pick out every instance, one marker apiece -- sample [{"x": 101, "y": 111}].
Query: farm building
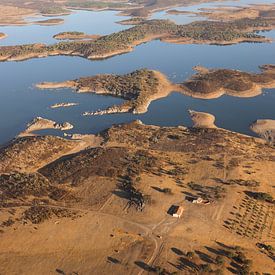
[{"x": 176, "y": 211}]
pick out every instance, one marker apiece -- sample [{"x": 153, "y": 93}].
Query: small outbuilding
[
  {"x": 179, "y": 212},
  {"x": 175, "y": 211},
  {"x": 201, "y": 201}
]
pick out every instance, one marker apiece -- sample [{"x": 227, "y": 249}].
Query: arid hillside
[{"x": 107, "y": 208}]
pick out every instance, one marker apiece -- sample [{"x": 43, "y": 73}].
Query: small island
[
  {"x": 64, "y": 104},
  {"x": 2, "y": 35},
  {"x": 49, "y": 22},
  {"x": 40, "y": 123},
  {"x": 74, "y": 35}
]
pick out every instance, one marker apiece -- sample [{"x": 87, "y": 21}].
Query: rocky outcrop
[{"x": 40, "y": 123}]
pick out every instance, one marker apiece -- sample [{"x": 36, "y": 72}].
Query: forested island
[
  {"x": 201, "y": 32},
  {"x": 74, "y": 35}
]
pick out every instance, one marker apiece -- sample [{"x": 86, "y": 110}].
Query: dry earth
[{"x": 80, "y": 213}]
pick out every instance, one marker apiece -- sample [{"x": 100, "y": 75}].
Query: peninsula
[{"x": 141, "y": 87}]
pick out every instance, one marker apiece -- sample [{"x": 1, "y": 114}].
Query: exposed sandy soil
[
  {"x": 202, "y": 120},
  {"x": 79, "y": 218},
  {"x": 13, "y": 12},
  {"x": 158, "y": 5},
  {"x": 14, "y": 15},
  {"x": 2, "y": 35},
  {"x": 40, "y": 123},
  {"x": 234, "y": 13},
  {"x": 265, "y": 128}
]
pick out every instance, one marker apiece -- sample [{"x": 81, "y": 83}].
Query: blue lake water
[
  {"x": 84, "y": 21},
  {"x": 20, "y": 101}
]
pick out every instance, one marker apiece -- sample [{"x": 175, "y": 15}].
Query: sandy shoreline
[
  {"x": 3, "y": 35},
  {"x": 202, "y": 120},
  {"x": 264, "y": 128},
  {"x": 40, "y": 123}
]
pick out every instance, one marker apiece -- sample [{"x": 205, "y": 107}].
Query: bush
[
  {"x": 219, "y": 260},
  {"x": 190, "y": 254},
  {"x": 167, "y": 191}
]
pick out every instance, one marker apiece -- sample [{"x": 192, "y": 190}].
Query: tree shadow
[
  {"x": 113, "y": 260},
  {"x": 177, "y": 251},
  {"x": 204, "y": 257},
  {"x": 59, "y": 271},
  {"x": 185, "y": 263},
  {"x": 224, "y": 245},
  {"x": 232, "y": 270},
  {"x": 188, "y": 194},
  {"x": 121, "y": 194},
  {"x": 218, "y": 180},
  {"x": 220, "y": 252},
  {"x": 157, "y": 189},
  {"x": 179, "y": 267},
  {"x": 144, "y": 266}
]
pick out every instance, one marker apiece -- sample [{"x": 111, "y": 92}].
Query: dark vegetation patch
[
  {"x": 197, "y": 141},
  {"x": 251, "y": 218},
  {"x": 18, "y": 185},
  {"x": 128, "y": 182},
  {"x": 109, "y": 162},
  {"x": 208, "y": 192},
  {"x": 28, "y": 152},
  {"x": 223, "y": 257},
  {"x": 229, "y": 80},
  {"x": 16, "y": 188},
  {"x": 54, "y": 10},
  {"x": 261, "y": 196},
  {"x": 128, "y": 86},
  {"x": 241, "y": 182},
  {"x": 39, "y": 214}
]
